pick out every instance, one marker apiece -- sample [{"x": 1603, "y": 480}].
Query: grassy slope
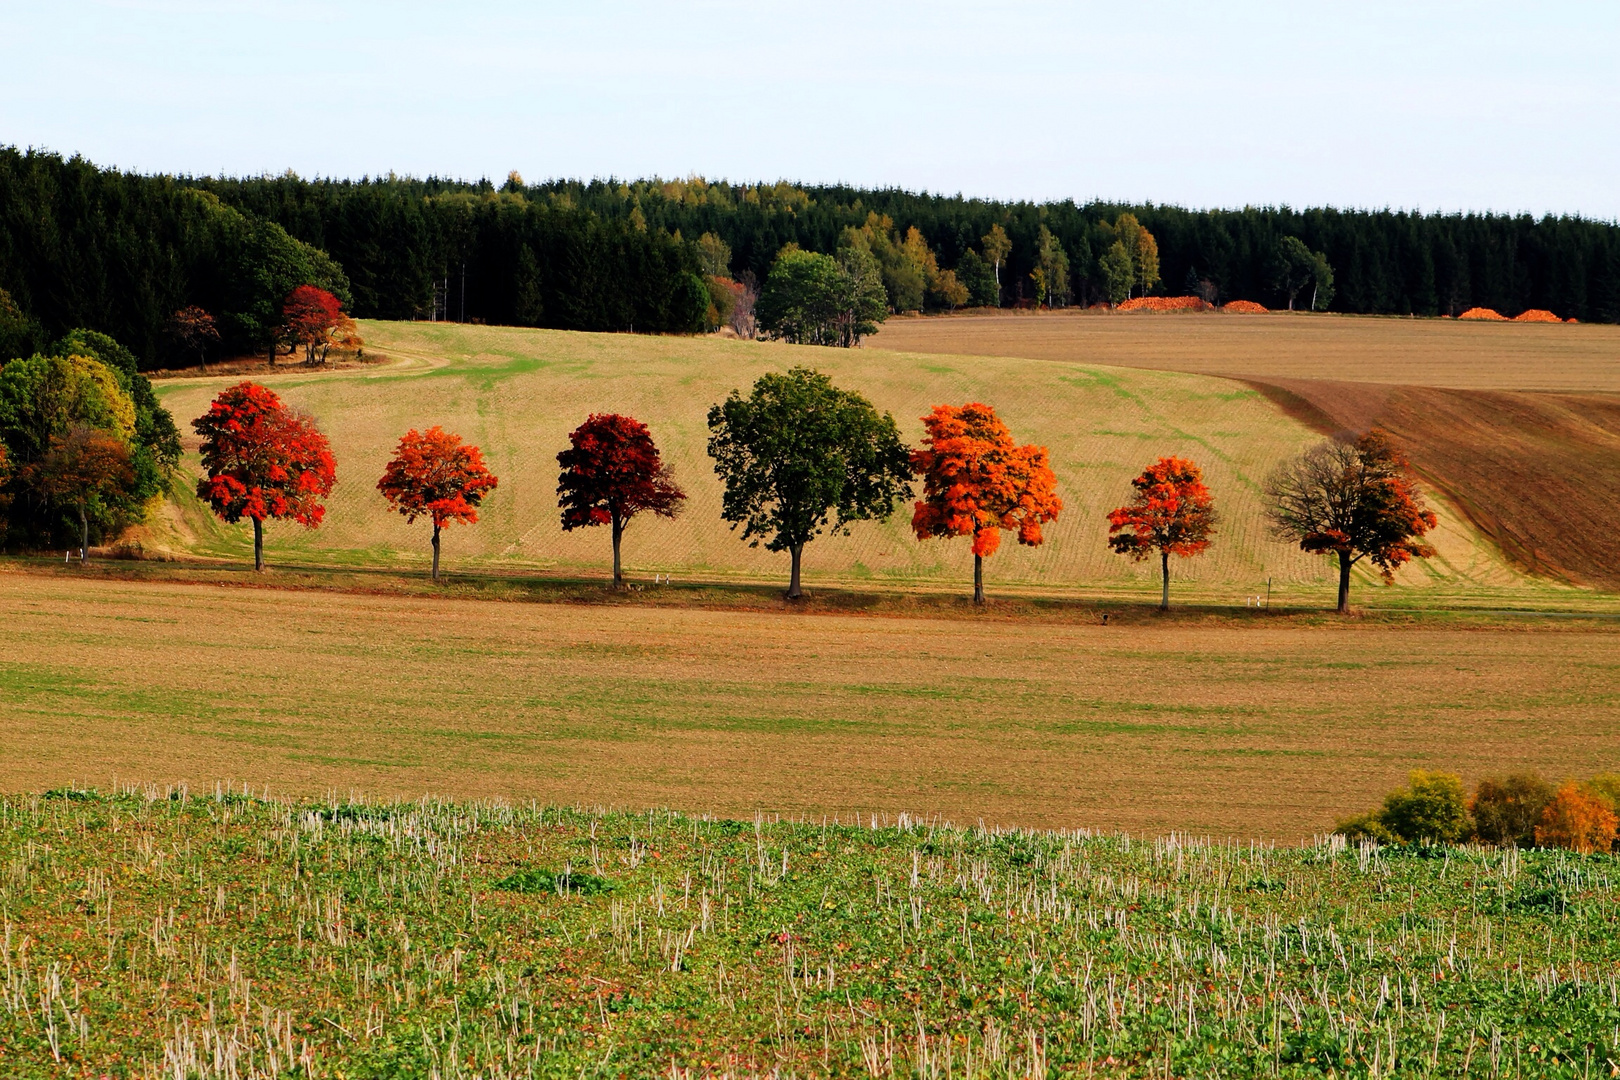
[
  {"x": 146, "y": 934},
  {"x": 517, "y": 393}
]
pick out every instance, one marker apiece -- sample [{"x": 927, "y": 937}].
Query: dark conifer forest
[{"x": 120, "y": 252}]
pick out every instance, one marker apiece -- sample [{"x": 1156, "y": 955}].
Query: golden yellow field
[
  {"x": 1280, "y": 345},
  {"x": 1235, "y": 725},
  {"x": 517, "y": 393}
]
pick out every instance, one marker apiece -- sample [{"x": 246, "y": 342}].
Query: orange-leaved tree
[
  {"x": 435, "y": 475},
  {"x": 83, "y": 468},
  {"x": 977, "y": 481},
  {"x": 1173, "y": 513},
  {"x": 1354, "y": 498},
  {"x": 1579, "y": 820},
  {"x": 611, "y": 473},
  {"x": 263, "y": 460}
]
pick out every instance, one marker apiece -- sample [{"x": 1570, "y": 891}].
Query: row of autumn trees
[
  {"x": 798, "y": 457},
  {"x": 121, "y": 252}
]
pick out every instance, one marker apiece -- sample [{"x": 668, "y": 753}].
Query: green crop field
[
  {"x": 518, "y": 392},
  {"x": 213, "y": 935}
]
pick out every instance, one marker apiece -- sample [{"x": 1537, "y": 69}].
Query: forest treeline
[{"x": 121, "y": 252}]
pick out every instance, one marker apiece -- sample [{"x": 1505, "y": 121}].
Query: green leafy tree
[
  {"x": 1117, "y": 273},
  {"x": 815, "y": 299},
  {"x": 1051, "y": 273},
  {"x": 799, "y": 454},
  {"x": 976, "y": 275},
  {"x": 1296, "y": 266},
  {"x": 42, "y": 400},
  {"x": 88, "y": 470},
  {"x": 155, "y": 447},
  {"x": 714, "y": 255}
]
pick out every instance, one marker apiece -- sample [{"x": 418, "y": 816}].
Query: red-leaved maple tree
[
  {"x": 1356, "y": 499},
  {"x": 977, "y": 481},
  {"x": 310, "y": 316},
  {"x": 1173, "y": 513},
  {"x": 263, "y": 460},
  {"x": 611, "y": 473},
  {"x": 435, "y": 475}
]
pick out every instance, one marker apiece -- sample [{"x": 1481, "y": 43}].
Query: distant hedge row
[{"x": 1522, "y": 809}]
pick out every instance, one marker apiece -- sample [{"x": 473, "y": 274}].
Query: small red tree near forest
[
  {"x": 437, "y": 476},
  {"x": 195, "y": 330},
  {"x": 1354, "y": 498},
  {"x": 263, "y": 460},
  {"x": 1173, "y": 513},
  {"x": 611, "y": 473},
  {"x": 977, "y": 481},
  {"x": 312, "y": 317}
]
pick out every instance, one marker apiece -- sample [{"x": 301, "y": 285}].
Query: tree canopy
[
  {"x": 799, "y": 454},
  {"x": 978, "y": 481},
  {"x": 611, "y": 472},
  {"x": 262, "y": 460},
  {"x": 1354, "y": 498},
  {"x": 1173, "y": 513},
  {"x": 433, "y": 474}
]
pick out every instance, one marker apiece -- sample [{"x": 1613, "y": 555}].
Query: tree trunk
[
  {"x": 618, "y": 571},
  {"x": 978, "y": 579},
  {"x": 1344, "y": 582},
  {"x": 1164, "y": 596},
  {"x": 272, "y": 353},
  {"x": 1313, "y": 296},
  {"x": 435, "y": 551},
  {"x": 258, "y": 544},
  {"x": 794, "y": 592},
  {"x": 84, "y": 534}
]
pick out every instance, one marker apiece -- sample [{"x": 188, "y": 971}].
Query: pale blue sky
[{"x": 1479, "y": 105}]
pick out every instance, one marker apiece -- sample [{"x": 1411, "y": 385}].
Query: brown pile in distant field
[
  {"x": 1489, "y": 314},
  {"x": 1243, "y": 307},
  {"x": 1536, "y": 315},
  {"x": 1166, "y": 303}
]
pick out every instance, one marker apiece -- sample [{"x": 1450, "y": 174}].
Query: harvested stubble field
[
  {"x": 1282, "y": 345},
  {"x": 1228, "y": 723},
  {"x": 518, "y": 392},
  {"x": 213, "y": 935},
  {"x": 1518, "y": 425}
]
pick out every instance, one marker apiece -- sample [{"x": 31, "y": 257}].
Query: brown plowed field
[
  {"x": 1537, "y": 473},
  {"x": 1517, "y": 423}
]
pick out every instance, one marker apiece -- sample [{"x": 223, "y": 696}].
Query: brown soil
[
  {"x": 1537, "y": 473},
  {"x": 1250, "y": 728},
  {"x": 255, "y": 365}
]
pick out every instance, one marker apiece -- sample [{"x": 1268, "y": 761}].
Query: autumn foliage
[
  {"x": 313, "y": 319},
  {"x": 435, "y": 475},
  {"x": 1355, "y": 499},
  {"x": 1577, "y": 820},
  {"x": 81, "y": 468},
  {"x": 977, "y": 482},
  {"x": 1173, "y": 513},
  {"x": 1536, "y": 315},
  {"x": 1483, "y": 313},
  {"x": 1244, "y": 307},
  {"x": 611, "y": 472},
  {"x": 262, "y": 460}
]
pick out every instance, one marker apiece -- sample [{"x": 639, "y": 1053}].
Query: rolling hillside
[{"x": 518, "y": 392}]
